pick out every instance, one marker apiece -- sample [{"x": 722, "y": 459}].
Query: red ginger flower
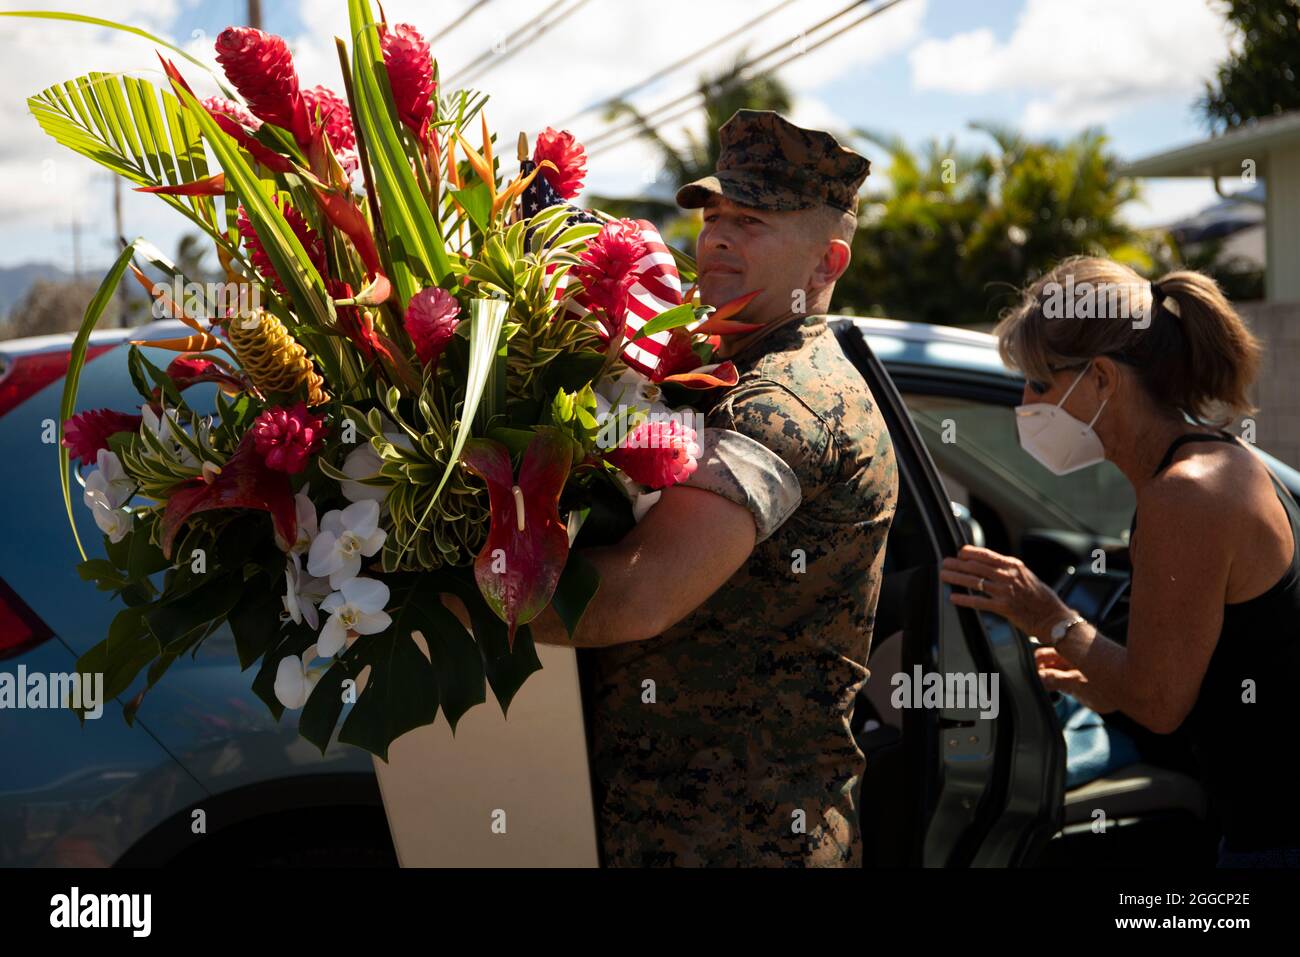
[
  {"x": 337, "y": 116},
  {"x": 85, "y": 434},
  {"x": 220, "y": 105},
  {"x": 410, "y": 73},
  {"x": 607, "y": 272},
  {"x": 431, "y": 319},
  {"x": 657, "y": 454},
  {"x": 569, "y": 157},
  {"x": 261, "y": 68},
  {"x": 286, "y": 438},
  {"x": 311, "y": 242}
]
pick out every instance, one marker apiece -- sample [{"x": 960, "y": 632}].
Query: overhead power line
[
  {"x": 496, "y": 50},
  {"x": 474, "y": 8},
  {"x": 527, "y": 41},
  {"x": 677, "y": 65},
  {"x": 601, "y": 142}
]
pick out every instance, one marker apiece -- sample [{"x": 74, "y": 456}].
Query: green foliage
[
  {"x": 1262, "y": 78},
  {"x": 953, "y": 235}
]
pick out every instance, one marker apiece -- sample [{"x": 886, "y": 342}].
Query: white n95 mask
[{"x": 1061, "y": 443}]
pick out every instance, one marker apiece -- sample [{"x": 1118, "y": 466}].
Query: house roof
[{"x": 1223, "y": 155}]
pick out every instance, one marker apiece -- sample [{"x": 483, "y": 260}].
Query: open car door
[{"x": 969, "y": 779}]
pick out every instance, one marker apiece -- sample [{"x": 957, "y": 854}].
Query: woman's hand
[
  {"x": 1004, "y": 586},
  {"x": 1058, "y": 673}
]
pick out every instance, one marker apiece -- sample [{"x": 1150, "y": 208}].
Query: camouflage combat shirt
[{"x": 725, "y": 741}]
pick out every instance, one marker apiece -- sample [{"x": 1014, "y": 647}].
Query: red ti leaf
[
  {"x": 244, "y": 482},
  {"x": 518, "y": 568}
]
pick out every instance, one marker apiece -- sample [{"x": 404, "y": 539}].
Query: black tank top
[{"x": 1246, "y": 750}]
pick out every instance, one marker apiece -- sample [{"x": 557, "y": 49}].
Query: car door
[{"x": 986, "y": 777}]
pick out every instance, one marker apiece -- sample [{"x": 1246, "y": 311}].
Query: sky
[{"x": 921, "y": 70}]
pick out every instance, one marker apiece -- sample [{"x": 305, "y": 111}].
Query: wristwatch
[{"x": 1061, "y": 629}]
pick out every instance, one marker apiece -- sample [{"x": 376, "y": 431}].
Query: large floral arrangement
[{"x": 420, "y": 389}]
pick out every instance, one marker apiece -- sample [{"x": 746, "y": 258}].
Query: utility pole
[
  {"x": 76, "y": 249},
  {"x": 255, "y": 14},
  {"x": 119, "y": 234}
]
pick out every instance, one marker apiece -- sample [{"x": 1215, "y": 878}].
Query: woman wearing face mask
[{"x": 1213, "y": 640}]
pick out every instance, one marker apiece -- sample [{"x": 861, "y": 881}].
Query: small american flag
[{"x": 657, "y": 289}]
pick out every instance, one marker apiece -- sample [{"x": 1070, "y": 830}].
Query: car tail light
[
  {"x": 20, "y": 627},
  {"x": 23, "y": 376}
]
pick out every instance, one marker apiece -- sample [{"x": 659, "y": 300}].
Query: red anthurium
[
  {"x": 527, "y": 545},
  {"x": 707, "y": 377},
  {"x": 243, "y": 482}
]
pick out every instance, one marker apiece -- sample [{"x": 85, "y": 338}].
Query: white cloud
[{"x": 1082, "y": 62}]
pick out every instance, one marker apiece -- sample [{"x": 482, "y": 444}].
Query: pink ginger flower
[
  {"x": 286, "y": 438},
  {"x": 657, "y": 454},
  {"x": 431, "y": 319}
]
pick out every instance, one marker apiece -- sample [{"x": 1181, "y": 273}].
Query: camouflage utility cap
[{"x": 769, "y": 163}]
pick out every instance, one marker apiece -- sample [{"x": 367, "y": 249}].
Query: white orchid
[
  {"x": 294, "y": 681},
  {"x": 111, "y": 479},
  {"x": 363, "y": 462},
  {"x": 303, "y": 593},
  {"x": 358, "y": 608},
  {"x": 113, "y": 521},
  {"x": 345, "y": 537},
  {"x": 307, "y": 527}
]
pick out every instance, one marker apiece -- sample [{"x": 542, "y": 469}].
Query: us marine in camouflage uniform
[{"x": 733, "y": 625}]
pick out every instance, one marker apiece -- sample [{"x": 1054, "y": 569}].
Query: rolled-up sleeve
[{"x": 764, "y": 449}]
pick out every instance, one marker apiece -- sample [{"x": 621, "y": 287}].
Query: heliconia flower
[
  {"x": 287, "y": 438},
  {"x": 356, "y": 608},
  {"x": 607, "y": 272},
  {"x": 569, "y": 157},
  {"x": 346, "y": 536},
  {"x": 261, "y": 68},
  {"x": 220, "y": 106},
  {"x": 294, "y": 681},
  {"x": 334, "y": 111},
  {"x": 431, "y": 319},
  {"x": 657, "y": 453},
  {"x": 410, "y": 73},
  {"x": 87, "y": 432},
  {"x": 310, "y": 239}
]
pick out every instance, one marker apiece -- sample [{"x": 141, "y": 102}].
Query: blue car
[{"x": 204, "y": 757}]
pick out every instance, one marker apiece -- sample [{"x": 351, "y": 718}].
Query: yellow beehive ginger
[{"x": 272, "y": 359}]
